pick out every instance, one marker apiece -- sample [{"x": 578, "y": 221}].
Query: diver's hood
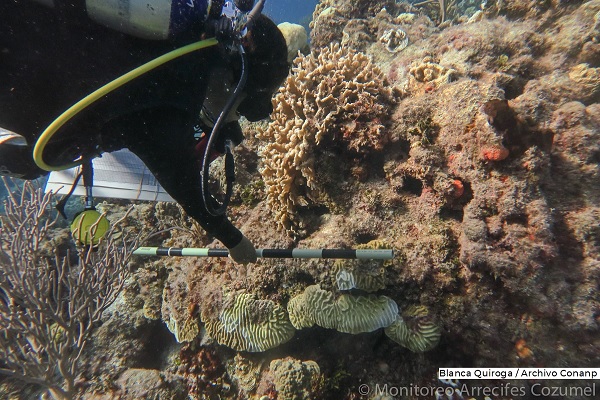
[{"x": 266, "y": 52}]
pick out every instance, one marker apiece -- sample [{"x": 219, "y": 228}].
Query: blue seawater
[{"x": 295, "y": 11}]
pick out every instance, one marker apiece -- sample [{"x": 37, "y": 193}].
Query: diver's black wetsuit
[{"x": 50, "y": 59}]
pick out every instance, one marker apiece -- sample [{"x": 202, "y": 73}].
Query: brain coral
[
  {"x": 184, "y": 331},
  {"x": 418, "y": 332},
  {"x": 248, "y": 324},
  {"x": 337, "y": 95},
  {"x": 347, "y": 313}
]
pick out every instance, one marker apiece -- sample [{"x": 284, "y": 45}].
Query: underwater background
[
  {"x": 463, "y": 134},
  {"x": 298, "y": 12}
]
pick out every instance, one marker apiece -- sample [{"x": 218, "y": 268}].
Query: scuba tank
[{"x": 146, "y": 19}]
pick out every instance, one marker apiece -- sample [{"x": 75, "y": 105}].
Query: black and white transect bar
[{"x": 361, "y": 254}]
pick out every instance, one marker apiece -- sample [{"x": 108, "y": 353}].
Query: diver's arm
[{"x": 162, "y": 139}]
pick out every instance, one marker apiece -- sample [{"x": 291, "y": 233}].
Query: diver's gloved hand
[
  {"x": 222, "y": 28},
  {"x": 230, "y": 131},
  {"x": 244, "y": 252}
]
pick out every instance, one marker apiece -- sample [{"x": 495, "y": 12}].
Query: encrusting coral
[
  {"x": 248, "y": 324},
  {"x": 430, "y": 72},
  {"x": 334, "y": 95},
  {"x": 295, "y": 379},
  {"x": 245, "y": 372},
  {"x": 587, "y": 77}
]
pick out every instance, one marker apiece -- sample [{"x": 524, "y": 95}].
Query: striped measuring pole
[{"x": 359, "y": 254}]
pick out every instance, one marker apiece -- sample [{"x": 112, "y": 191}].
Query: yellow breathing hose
[{"x": 49, "y": 132}]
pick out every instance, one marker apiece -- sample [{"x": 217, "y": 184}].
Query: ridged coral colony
[
  {"x": 346, "y": 313},
  {"x": 248, "y": 324}
]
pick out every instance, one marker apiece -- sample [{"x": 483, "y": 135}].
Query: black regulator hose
[{"x": 209, "y": 200}]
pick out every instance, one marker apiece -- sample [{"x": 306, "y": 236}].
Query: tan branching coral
[
  {"x": 336, "y": 94},
  {"x": 346, "y": 313},
  {"x": 248, "y": 324}
]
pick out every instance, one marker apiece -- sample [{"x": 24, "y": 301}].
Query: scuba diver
[{"x": 55, "y": 52}]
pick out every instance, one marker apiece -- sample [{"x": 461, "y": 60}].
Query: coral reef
[
  {"x": 481, "y": 172},
  {"x": 136, "y": 383},
  {"x": 331, "y": 17}
]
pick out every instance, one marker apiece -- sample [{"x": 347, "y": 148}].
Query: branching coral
[{"x": 336, "y": 94}]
